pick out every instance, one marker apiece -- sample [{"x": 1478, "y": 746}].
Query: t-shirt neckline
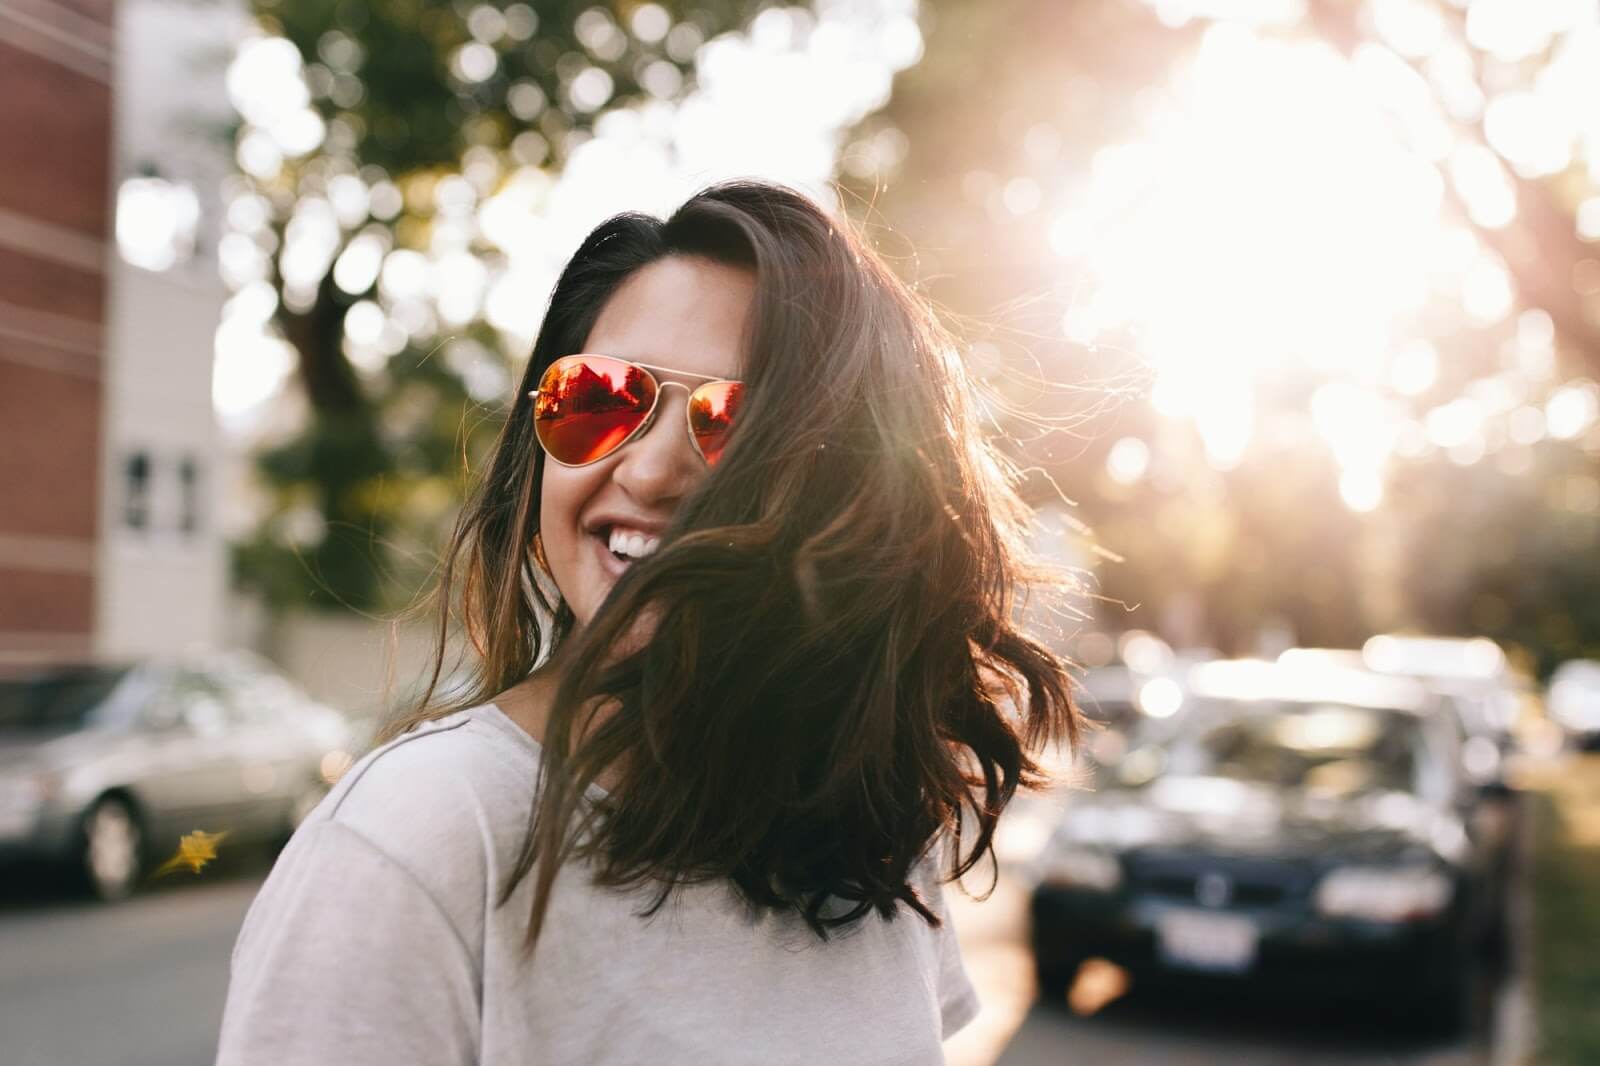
[{"x": 507, "y": 724}]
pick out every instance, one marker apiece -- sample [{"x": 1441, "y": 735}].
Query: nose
[{"x": 661, "y": 464}]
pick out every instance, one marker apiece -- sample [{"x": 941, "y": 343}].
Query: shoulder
[
  {"x": 445, "y": 802},
  {"x": 405, "y": 949},
  {"x": 441, "y": 775}
]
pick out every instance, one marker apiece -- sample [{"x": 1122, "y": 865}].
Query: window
[
  {"x": 205, "y": 707},
  {"x": 136, "y": 491},
  {"x": 189, "y": 486}
]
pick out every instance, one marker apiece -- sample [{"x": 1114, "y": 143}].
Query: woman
[{"x": 739, "y": 584}]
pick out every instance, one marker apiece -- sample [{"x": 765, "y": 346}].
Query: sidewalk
[
  {"x": 994, "y": 933},
  {"x": 994, "y": 949},
  {"x": 1564, "y": 919}
]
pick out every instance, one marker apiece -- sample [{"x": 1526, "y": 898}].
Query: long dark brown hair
[{"x": 834, "y": 675}]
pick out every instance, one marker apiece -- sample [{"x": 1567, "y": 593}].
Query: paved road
[
  {"x": 1173, "y": 1033},
  {"x": 142, "y": 983}
]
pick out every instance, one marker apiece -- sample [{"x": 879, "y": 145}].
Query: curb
[{"x": 1514, "y": 1032}]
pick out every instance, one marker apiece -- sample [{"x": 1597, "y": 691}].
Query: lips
[
  {"x": 602, "y": 524},
  {"x": 599, "y": 542},
  {"x": 597, "y": 528}
]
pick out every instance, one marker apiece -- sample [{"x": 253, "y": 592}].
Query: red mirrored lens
[
  {"x": 713, "y": 409},
  {"x": 588, "y": 405}
]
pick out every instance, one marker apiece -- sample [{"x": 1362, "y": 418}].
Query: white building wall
[
  {"x": 162, "y": 582},
  {"x": 359, "y": 665},
  {"x": 163, "y": 564}
]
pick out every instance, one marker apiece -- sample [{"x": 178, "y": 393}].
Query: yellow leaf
[{"x": 194, "y": 851}]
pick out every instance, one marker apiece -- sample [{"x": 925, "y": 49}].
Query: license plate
[{"x": 1201, "y": 940}]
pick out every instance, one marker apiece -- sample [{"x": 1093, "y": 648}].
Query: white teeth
[{"x": 635, "y": 545}]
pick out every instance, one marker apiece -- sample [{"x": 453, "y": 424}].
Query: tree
[
  {"x": 1012, "y": 120},
  {"x": 409, "y": 113}
]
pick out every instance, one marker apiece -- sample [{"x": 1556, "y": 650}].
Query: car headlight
[
  {"x": 21, "y": 798},
  {"x": 1384, "y": 895},
  {"x": 1073, "y": 866}
]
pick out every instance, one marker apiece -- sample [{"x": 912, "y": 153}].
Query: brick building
[
  {"x": 55, "y": 221},
  {"x": 108, "y": 443}
]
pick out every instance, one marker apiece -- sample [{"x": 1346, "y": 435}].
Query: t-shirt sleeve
[
  {"x": 345, "y": 957},
  {"x": 958, "y": 1000}
]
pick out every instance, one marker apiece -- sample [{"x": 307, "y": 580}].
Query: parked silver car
[{"x": 105, "y": 767}]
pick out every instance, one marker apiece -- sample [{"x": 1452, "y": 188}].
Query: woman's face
[{"x": 680, "y": 312}]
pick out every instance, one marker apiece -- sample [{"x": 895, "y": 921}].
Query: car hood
[
  {"x": 1221, "y": 816},
  {"x": 26, "y": 750}
]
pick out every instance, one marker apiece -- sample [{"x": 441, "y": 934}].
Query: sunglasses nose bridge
[{"x": 655, "y": 405}]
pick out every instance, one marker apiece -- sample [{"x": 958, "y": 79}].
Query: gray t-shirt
[{"x": 375, "y": 940}]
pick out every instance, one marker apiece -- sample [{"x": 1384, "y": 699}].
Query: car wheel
[
  {"x": 1494, "y": 940},
  {"x": 113, "y": 849},
  {"x": 1055, "y": 977},
  {"x": 1445, "y": 1003}
]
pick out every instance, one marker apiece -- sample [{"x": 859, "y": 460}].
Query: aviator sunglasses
[{"x": 588, "y": 406}]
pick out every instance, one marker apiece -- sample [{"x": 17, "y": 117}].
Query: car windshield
[
  {"x": 59, "y": 700},
  {"x": 1325, "y": 747}
]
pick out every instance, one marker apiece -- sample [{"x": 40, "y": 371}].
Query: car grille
[{"x": 1249, "y": 884}]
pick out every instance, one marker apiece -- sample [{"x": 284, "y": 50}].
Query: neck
[{"x": 528, "y": 702}]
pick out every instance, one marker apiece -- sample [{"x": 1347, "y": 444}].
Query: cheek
[
  {"x": 563, "y": 495},
  {"x": 558, "y": 516}
]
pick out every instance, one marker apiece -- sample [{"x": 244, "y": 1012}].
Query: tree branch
[{"x": 1540, "y": 247}]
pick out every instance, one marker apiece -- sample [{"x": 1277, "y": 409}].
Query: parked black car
[
  {"x": 1467, "y": 679},
  {"x": 1305, "y": 829},
  {"x": 1472, "y": 677}
]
